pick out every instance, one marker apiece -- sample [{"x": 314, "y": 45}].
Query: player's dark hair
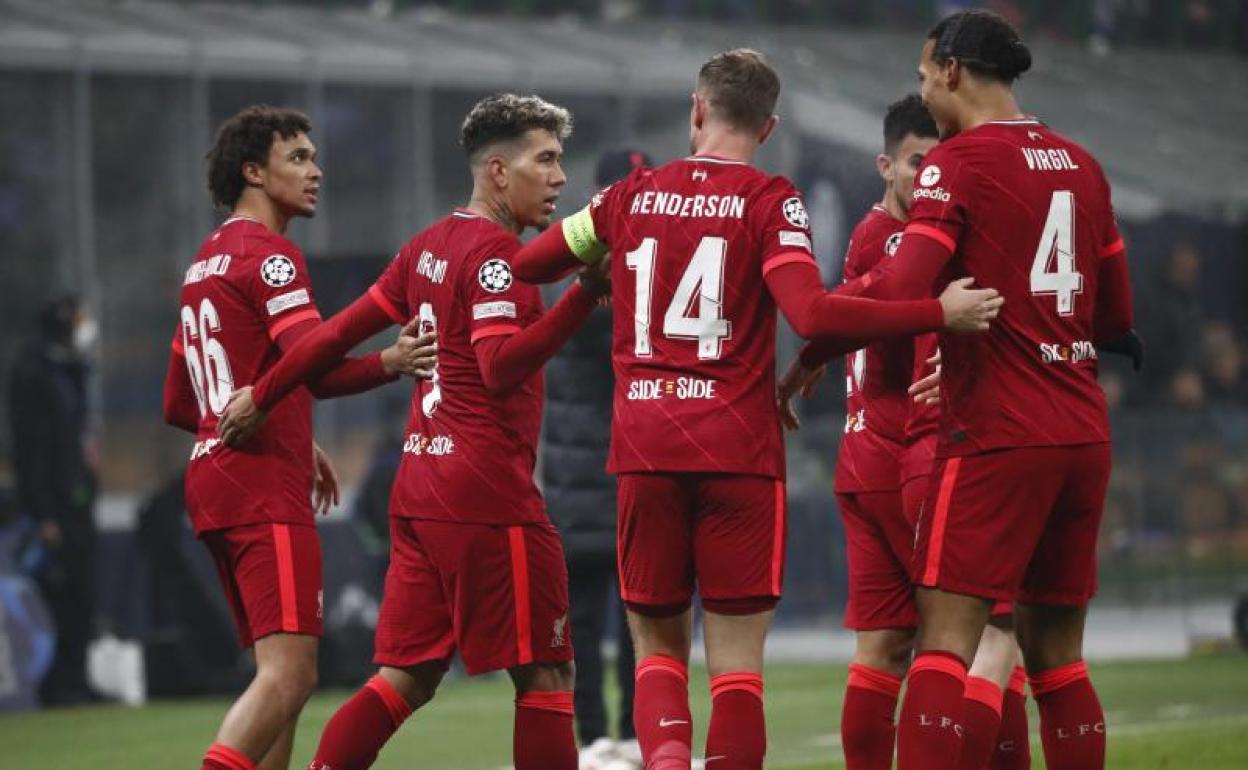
[
  {"x": 741, "y": 87},
  {"x": 247, "y": 138},
  {"x": 907, "y": 116},
  {"x": 506, "y": 117},
  {"x": 983, "y": 42}
]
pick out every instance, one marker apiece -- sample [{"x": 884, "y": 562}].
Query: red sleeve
[
  {"x": 280, "y": 287},
  {"x": 320, "y": 349},
  {"x": 390, "y": 289},
  {"x": 507, "y": 360},
  {"x": 779, "y": 214},
  {"x": 181, "y": 405},
  {"x": 1114, "y": 313},
  {"x": 498, "y": 303},
  {"x": 351, "y": 375},
  {"x": 813, "y": 312},
  {"x": 546, "y": 258}
]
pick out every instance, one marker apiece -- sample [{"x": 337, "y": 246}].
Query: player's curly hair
[
  {"x": 503, "y": 117},
  {"x": 741, "y": 87},
  {"x": 985, "y": 44},
  {"x": 907, "y": 116},
  {"x": 247, "y": 138}
]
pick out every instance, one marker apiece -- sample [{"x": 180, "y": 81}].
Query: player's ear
[
  {"x": 951, "y": 72},
  {"x": 697, "y": 111},
  {"x": 253, "y": 173},
  {"x": 768, "y": 128},
  {"x": 884, "y": 164},
  {"x": 496, "y": 170}
]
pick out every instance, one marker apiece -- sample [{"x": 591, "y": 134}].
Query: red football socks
[
  {"x": 661, "y": 714},
  {"x": 220, "y": 757},
  {"x": 929, "y": 731},
  {"x": 544, "y": 738},
  {"x": 1072, "y": 724},
  {"x": 868, "y": 731},
  {"x": 1013, "y": 749},
  {"x": 360, "y": 727},
  {"x": 981, "y": 720},
  {"x": 737, "y": 737}
]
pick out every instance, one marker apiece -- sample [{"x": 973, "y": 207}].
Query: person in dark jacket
[
  {"x": 581, "y": 499},
  {"x": 56, "y": 483}
]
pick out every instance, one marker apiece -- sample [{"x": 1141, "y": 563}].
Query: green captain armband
[{"x": 578, "y": 232}]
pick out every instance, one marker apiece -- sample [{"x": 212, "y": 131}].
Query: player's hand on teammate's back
[
  {"x": 413, "y": 354},
  {"x": 324, "y": 481},
  {"x": 240, "y": 419},
  {"x": 927, "y": 390},
  {"x": 596, "y": 279},
  {"x": 967, "y": 309},
  {"x": 798, "y": 379}
]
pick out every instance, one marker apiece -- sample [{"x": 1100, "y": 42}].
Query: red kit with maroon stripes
[
  {"x": 252, "y": 504},
  {"x": 475, "y": 564},
  {"x": 694, "y": 356},
  {"x": 1027, "y": 212}
]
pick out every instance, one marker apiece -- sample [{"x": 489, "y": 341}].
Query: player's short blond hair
[
  {"x": 741, "y": 87},
  {"x": 505, "y": 117}
]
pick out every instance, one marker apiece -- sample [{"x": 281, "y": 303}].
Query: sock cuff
[
  {"x": 984, "y": 691},
  {"x": 231, "y": 758},
  {"x": 866, "y": 678},
  {"x": 398, "y": 708},
  {"x": 661, "y": 664},
  {"x": 1018, "y": 681},
  {"x": 558, "y": 701},
  {"x": 940, "y": 662},
  {"x": 745, "y": 681},
  {"x": 1056, "y": 678}
]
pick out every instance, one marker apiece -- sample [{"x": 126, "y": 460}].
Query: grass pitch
[{"x": 1165, "y": 715}]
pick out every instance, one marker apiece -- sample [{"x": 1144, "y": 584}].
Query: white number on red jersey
[
  {"x": 211, "y": 377},
  {"x": 703, "y": 281},
  {"x": 429, "y": 325},
  {"x": 855, "y": 371},
  {"x": 1057, "y": 250}
]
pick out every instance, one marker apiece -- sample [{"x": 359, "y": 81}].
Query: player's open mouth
[{"x": 548, "y": 205}]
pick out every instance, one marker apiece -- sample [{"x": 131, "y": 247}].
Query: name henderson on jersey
[{"x": 684, "y": 206}]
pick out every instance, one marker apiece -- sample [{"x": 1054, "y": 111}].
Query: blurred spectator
[
  {"x": 1171, "y": 317},
  {"x": 56, "y": 483},
  {"x": 581, "y": 499},
  {"x": 1225, "y": 381}
]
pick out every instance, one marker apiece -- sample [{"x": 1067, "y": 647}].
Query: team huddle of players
[{"x": 971, "y": 516}]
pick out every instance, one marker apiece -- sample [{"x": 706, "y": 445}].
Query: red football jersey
[
  {"x": 468, "y": 456},
  {"x": 876, "y": 377},
  {"x": 1027, "y": 212},
  {"x": 922, "y": 420},
  {"x": 246, "y": 286},
  {"x": 695, "y": 327}
]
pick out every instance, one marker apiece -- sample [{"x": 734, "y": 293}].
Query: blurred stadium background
[{"x": 106, "y": 109}]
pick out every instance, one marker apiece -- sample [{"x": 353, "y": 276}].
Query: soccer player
[
  {"x": 703, "y": 250},
  {"x": 882, "y": 473},
  {"x": 1023, "y": 454},
  {"x": 475, "y": 564},
  {"x": 245, "y": 299}
]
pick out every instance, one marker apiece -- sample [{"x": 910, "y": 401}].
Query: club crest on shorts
[
  {"x": 277, "y": 270},
  {"x": 559, "y": 631},
  {"x": 795, "y": 212},
  {"x": 494, "y": 276}
]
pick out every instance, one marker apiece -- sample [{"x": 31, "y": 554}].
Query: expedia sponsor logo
[
  {"x": 682, "y": 388},
  {"x": 1075, "y": 352},
  {"x": 934, "y": 193},
  {"x": 419, "y": 444}
]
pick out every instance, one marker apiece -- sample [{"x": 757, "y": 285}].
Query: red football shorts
[
  {"x": 1015, "y": 524},
  {"x": 879, "y": 542},
  {"x": 724, "y": 533},
  {"x": 498, "y": 595},
  {"x": 271, "y": 574}
]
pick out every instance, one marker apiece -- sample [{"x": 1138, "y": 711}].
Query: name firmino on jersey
[
  {"x": 1043, "y": 159},
  {"x": 677, "y": 205}
]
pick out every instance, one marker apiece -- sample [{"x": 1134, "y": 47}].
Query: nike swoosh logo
[
  {"x": 709, "y": 760},
  {"x": 671, "y": 722}
]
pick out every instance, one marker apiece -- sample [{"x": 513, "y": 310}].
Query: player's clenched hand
[
  {"x": 969, "y": 310},
  {"x": 927, "y": 390},
  {"x": 413, "y": 353},
  {"x": 798, "y": 379},
  {"x": 324, "y": 481},
  {"x": 240, "y": 419},
  {"x": 596, "y": 279}
]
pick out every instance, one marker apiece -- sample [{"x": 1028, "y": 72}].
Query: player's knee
[
  {"x": 544, "y": 677},
  {"x": 889, "y": 651}
]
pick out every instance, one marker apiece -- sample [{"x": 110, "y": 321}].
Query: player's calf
[
  {"x": 737, "y": 737},
  {"x": 543, "y": 736},
  {"x": 868, "y": 730},
  {"x": 985, "y": 691}
]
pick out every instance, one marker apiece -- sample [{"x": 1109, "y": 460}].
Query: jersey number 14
[{"x": 685, "y": 319}]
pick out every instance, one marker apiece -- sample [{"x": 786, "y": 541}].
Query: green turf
[{"x": 1173, "y": 715}]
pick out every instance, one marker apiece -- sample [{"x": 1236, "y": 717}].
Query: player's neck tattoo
[{"x": 496, "y": 212}]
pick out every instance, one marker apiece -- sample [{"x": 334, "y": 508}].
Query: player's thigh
[
  {"x": 739, "y": 535},
  {"x": 414, "y": 624},
  {"x": 655, "y": 551},
  {"x": 1062, "y": 570},
  {"x": 272, "y": 576},
  {"x": 509, "y": 596},
  {"x": 982, "y": 519},
  {"x": 879, "y": 547}
]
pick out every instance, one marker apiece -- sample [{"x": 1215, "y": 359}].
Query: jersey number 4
[
  {"x": 699, "y": 318},
  {"x": 1057, "y": 250},
  {"x": 206, "y": 360}
]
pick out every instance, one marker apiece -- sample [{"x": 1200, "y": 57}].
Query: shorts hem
[
  {"x": 883, "y": 624},
  {"x": 504, "y": 663},
  {"x": 390, "y": 661},
  {"x": 1056, "y": 599},
  {"x": 979, "y": 592}
]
